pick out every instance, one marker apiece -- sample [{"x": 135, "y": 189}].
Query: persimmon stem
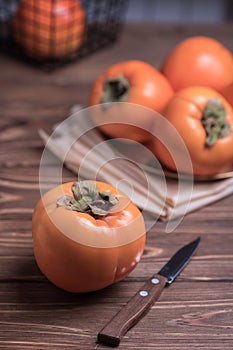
[
  {"x": 214, "y": 123},
  {"x": 115, "y": 89},
  {"x": 87, "y": 199}
]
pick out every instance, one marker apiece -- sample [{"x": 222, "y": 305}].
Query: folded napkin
[{"x": 82, "y": 149}]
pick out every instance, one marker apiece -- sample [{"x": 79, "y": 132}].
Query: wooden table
[{"x": 196, "y": 312}]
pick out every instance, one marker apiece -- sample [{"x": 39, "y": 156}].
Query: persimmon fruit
[
  {"x": 134, "y": 83},
  {"x": 204, "y": 121},
  {"x": 199, "y": 61},
  {"x": 87, "y": 235}
]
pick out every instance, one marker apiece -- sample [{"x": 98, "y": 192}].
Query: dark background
[{"x": 189, "y": 11}]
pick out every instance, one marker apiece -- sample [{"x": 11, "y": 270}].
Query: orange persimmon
[
  {"x": 134, "y": 82},
  {"x": 204, "y": 121},
  {"x": 87, "y": 235},
  {"x": 49, "y": 28},
  {"x": 201, "y": 61}
]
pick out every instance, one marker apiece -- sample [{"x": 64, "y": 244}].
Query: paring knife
[{"x": 142, "y": 301}]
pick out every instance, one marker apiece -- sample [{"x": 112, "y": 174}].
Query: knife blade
[{"x": 141, "y": 302}]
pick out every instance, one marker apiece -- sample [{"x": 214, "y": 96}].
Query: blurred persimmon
[
  {"x": 49, "y": 28},
  {"x": 201, "y": 61},
  {"x": 136, "y": 83}
]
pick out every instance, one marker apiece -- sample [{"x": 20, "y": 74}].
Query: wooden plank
[{"x": 40, "y": 316}]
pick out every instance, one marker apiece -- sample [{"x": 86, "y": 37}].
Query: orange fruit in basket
[
  {"x": 49, "y": 28},
  {"x": 201, "y": 61}
]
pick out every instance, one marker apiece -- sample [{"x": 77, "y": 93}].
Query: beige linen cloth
[{"x": 83, "y": 150}]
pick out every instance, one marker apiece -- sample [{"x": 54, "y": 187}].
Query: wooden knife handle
[{"x": 133, "y": 311}]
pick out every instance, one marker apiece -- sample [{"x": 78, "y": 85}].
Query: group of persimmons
[
  {"x": 88, "y": 235},
  {"x": 193, "y": 91}
]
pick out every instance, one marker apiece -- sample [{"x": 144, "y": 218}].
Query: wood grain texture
[{"x": 196, "y": 312}]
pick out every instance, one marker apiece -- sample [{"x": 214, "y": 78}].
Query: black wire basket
[{"x": 52, "y": 33}]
